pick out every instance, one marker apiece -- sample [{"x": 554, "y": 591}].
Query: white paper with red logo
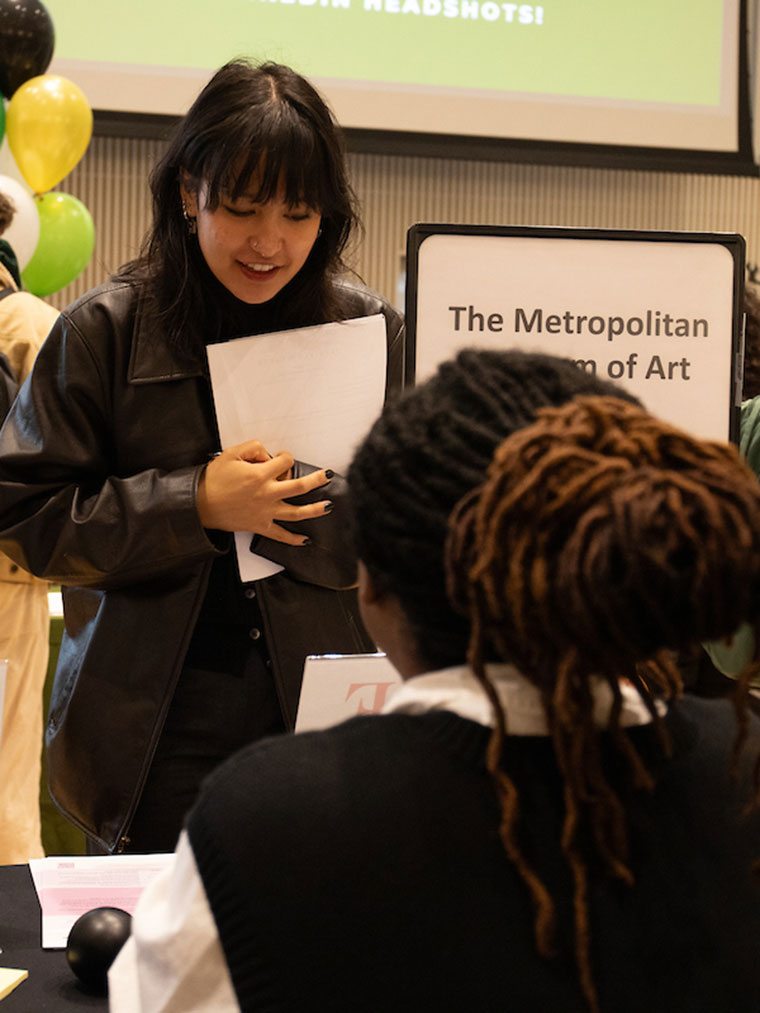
[
  {"x": 341, "y": 686},
  {"x": 68, "y": 886}
]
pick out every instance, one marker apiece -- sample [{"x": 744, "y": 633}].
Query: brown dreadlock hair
[{"x": 600, "y": 541}]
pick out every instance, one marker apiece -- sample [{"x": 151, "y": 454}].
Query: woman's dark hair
[
  {"x": 267, "y": 120},
  {"x": 427, "y": 450},
  {"x": 577, "y": 538}
]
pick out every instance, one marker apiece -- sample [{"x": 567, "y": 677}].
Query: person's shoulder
[
  {"x": 712, "y": 717},
  {"x": 286, "y": 755},
  {"x": 358, "y": 300},
  {"x": 111, "y": 295},
  {"x": 749, "y": 433},
  {"x": 330, "y": 785},
  {"x": 23, "y": 301},
  {"x": 102, "y": 314},
  {"x": 750, "y": 413},
  {"x": 318, "y": 768},
  {"x": 26, "y": 317},
  {"x": 704, "y": 732}
]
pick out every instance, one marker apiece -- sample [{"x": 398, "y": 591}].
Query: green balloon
[{"x": 63, "y": 251}]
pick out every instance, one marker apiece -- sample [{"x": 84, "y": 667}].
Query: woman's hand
[{"x": 244, "y": 489}]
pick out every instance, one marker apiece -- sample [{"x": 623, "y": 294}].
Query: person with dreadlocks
[{"x": 539, "y": 821}]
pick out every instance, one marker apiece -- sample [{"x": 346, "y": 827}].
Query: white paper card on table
[
  {"x": 3, "y": 679},
  {"x": 10, "y": 977},
  {"x": 67, "y": 886},
  {"x": 340, "y": 686},
  {"x": 314, "y": 391}
]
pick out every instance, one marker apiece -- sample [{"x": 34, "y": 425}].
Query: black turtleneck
[{"x": 228, "y": 317}]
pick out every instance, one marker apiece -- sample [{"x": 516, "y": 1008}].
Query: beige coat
[{"x": 24, "y": 625}]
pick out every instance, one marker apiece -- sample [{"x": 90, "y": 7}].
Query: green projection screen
[{"x": 660, "y": 76}]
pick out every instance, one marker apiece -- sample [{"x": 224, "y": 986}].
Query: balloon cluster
[{"x": 48, "y": 125}]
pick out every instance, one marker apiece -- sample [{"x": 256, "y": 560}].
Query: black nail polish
[
  {"x": 328, "y": 506},
  {"x": 306, "y": 541},
  {"x": 329, "y": 473}
]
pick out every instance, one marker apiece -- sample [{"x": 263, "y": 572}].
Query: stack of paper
[
  {"x": 70, "y": 885},
  {"x": 314, "y": 391},
  {"x": 10, "y": 977}
]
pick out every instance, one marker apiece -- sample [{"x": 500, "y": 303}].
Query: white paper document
[
  {"x": 10, "y": 978},
  {"x": 314, "y": 391},
  {"x": 67, "y": 886},
  {"x": 340, "y": 686}
]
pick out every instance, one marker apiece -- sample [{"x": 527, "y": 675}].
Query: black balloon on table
[
  {"x": 27, "y": 39},
  {"x": 94, "y": 940}
]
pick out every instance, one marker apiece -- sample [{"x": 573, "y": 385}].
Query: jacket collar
[{"x": 151, "y": 360}]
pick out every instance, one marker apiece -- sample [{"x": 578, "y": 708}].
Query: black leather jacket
[{"x": 99, "y": 464}]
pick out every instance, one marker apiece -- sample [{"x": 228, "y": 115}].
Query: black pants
[{"x": 212, "y": 715}]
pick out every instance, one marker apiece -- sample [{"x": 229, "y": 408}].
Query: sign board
[
  {"x": 341, "y": 686},
  {"x": 658, "y": 312}
]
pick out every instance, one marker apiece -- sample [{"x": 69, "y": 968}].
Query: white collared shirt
[
  {"x": 457, "y": 690},
  {"x": 173, "y": 961}
]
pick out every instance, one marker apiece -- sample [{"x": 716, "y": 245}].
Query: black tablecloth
[{"x": 50, "y": 986}]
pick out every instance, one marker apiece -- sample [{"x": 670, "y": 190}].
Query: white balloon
[
  {"x": 24, "y": 231},
  {"x": 8, "y": 165}
]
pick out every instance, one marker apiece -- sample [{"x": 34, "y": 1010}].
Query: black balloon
[
  {"x": 26, "y": 42},
  {"x": 95, "y": 939}
]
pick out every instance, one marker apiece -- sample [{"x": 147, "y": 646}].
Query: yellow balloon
[{"x": 49, "y": 125}]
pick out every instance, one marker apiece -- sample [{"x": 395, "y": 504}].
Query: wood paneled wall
[{"x": 396, "y": 191}]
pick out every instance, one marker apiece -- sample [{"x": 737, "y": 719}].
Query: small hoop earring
[{"x": 190, "y": 222}]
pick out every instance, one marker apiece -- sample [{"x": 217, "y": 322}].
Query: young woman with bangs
[{"x": 112, "y": 482}]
